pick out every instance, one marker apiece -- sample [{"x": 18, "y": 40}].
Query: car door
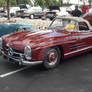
[
  {"x": 80, "y": 37},
  {"x": 84, "y": 36},
  {"x": 77, "y": 39}
]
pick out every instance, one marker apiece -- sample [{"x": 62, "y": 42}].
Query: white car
[
  {"x": 63, "y": 12},
  {"x": 13, "y": 10},
  {"x": 23, "y": 7},
  {"x": 33, "y": 12}
]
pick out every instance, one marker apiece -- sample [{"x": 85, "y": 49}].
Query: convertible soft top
[{"x": 78, "y": 19}]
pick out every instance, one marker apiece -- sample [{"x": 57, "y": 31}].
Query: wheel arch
[
  {"x": 61, "y": 50},
  {"x": 46, "y": 59}
]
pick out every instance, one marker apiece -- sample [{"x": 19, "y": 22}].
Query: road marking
[{"x": 13, "y": 72}]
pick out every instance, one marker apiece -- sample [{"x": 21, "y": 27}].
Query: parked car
[
  {"x": 13, "y": 11},
  {"x": 23, "y": 7},
  {"x": 33, "y": 12},
  {"x": 52, "y": 13},
  {"x": 45, "y": 10},
  {"x": 2, "y": 12},
  {"x": 56, "y": 11},
  {"x": 7, "y": 27},
  {"x": 64, "y": 38},
  {"x": 62, "y": 12}
]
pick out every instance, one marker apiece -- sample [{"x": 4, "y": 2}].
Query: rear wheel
[
  {"x": 31, "y": 16},
  {"x": 51, "y": 18},
  {"x": 52, "y": 57}
]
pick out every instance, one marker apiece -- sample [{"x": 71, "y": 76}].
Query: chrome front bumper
[{"x": 21, "y": 61}]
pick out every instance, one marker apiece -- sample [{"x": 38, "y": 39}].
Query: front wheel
[{"x": 52, "y": 57}]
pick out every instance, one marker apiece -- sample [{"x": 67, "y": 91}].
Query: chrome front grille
[{"x": 13, "y": 52}]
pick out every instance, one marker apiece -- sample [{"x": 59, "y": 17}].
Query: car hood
[{"x": 32, "y": 38}]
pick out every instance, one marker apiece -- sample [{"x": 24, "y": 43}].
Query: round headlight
[
  {"x": 27, "y": 52},
  {"x": 1, "y": 43}
]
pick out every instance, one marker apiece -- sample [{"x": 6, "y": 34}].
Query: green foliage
[
  {"x": 47, "y": 3},
  {"x": 12, "y": 2},
  {"x": 42, "y": 3},
  {"x": 2, "y": 2}
]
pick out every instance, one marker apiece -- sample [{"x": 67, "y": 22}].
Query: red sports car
[{"x": 65, "y": 37}]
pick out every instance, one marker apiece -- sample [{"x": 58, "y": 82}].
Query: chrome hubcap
[{"x": 52, "y": 57}]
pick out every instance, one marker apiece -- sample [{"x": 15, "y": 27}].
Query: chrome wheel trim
[
  {"x": 31, "y": 16},
  {"x": 52, "y": 54}
]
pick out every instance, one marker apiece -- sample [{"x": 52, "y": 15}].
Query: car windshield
[{"x": 59, "y": 24}]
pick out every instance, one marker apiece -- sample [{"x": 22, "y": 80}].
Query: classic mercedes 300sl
[{"x": 65, "y": 37}]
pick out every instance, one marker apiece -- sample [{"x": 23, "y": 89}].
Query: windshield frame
[{"x": 62, "y": 27}]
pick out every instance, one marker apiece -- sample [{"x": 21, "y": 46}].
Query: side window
[
  {"x": 71, "y": 25},
  {"x": 83, "y": 26}
]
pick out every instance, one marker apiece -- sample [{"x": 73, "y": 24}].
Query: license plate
[{"x": 50, "y": 14}]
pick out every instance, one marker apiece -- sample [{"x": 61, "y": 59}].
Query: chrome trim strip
[
  {"x": 21, "y": 61},
  {"x": 77, "y": 51}
]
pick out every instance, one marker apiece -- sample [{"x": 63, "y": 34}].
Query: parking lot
[
  {"x": 73, "y": 75},
  {"x": 66, "y": 36}
]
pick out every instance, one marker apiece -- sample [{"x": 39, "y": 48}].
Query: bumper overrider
[{"x": 20, "y": 60}]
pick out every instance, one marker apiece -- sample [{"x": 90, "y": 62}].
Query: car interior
[{"x": 83, "y": 26}]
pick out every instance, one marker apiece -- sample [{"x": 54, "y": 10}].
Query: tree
[
  {"x": 8, "y": 9},
  {"x": 23, "y": 2},
  {"x": 2, "y": 2},
  {"x": 47, "y": 3},
  {"x": 12, "y": 2},
  {"x": 40, "y": 3}
]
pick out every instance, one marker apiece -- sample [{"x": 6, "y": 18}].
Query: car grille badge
[{"x": 10, "y": 51}]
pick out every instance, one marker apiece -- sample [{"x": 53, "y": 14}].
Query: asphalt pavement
[{"x": 73, "y": 75}]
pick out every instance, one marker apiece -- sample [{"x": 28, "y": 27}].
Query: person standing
[
  {"x": 84, "y": 8},
  {"x": 76, "y": 12}
]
